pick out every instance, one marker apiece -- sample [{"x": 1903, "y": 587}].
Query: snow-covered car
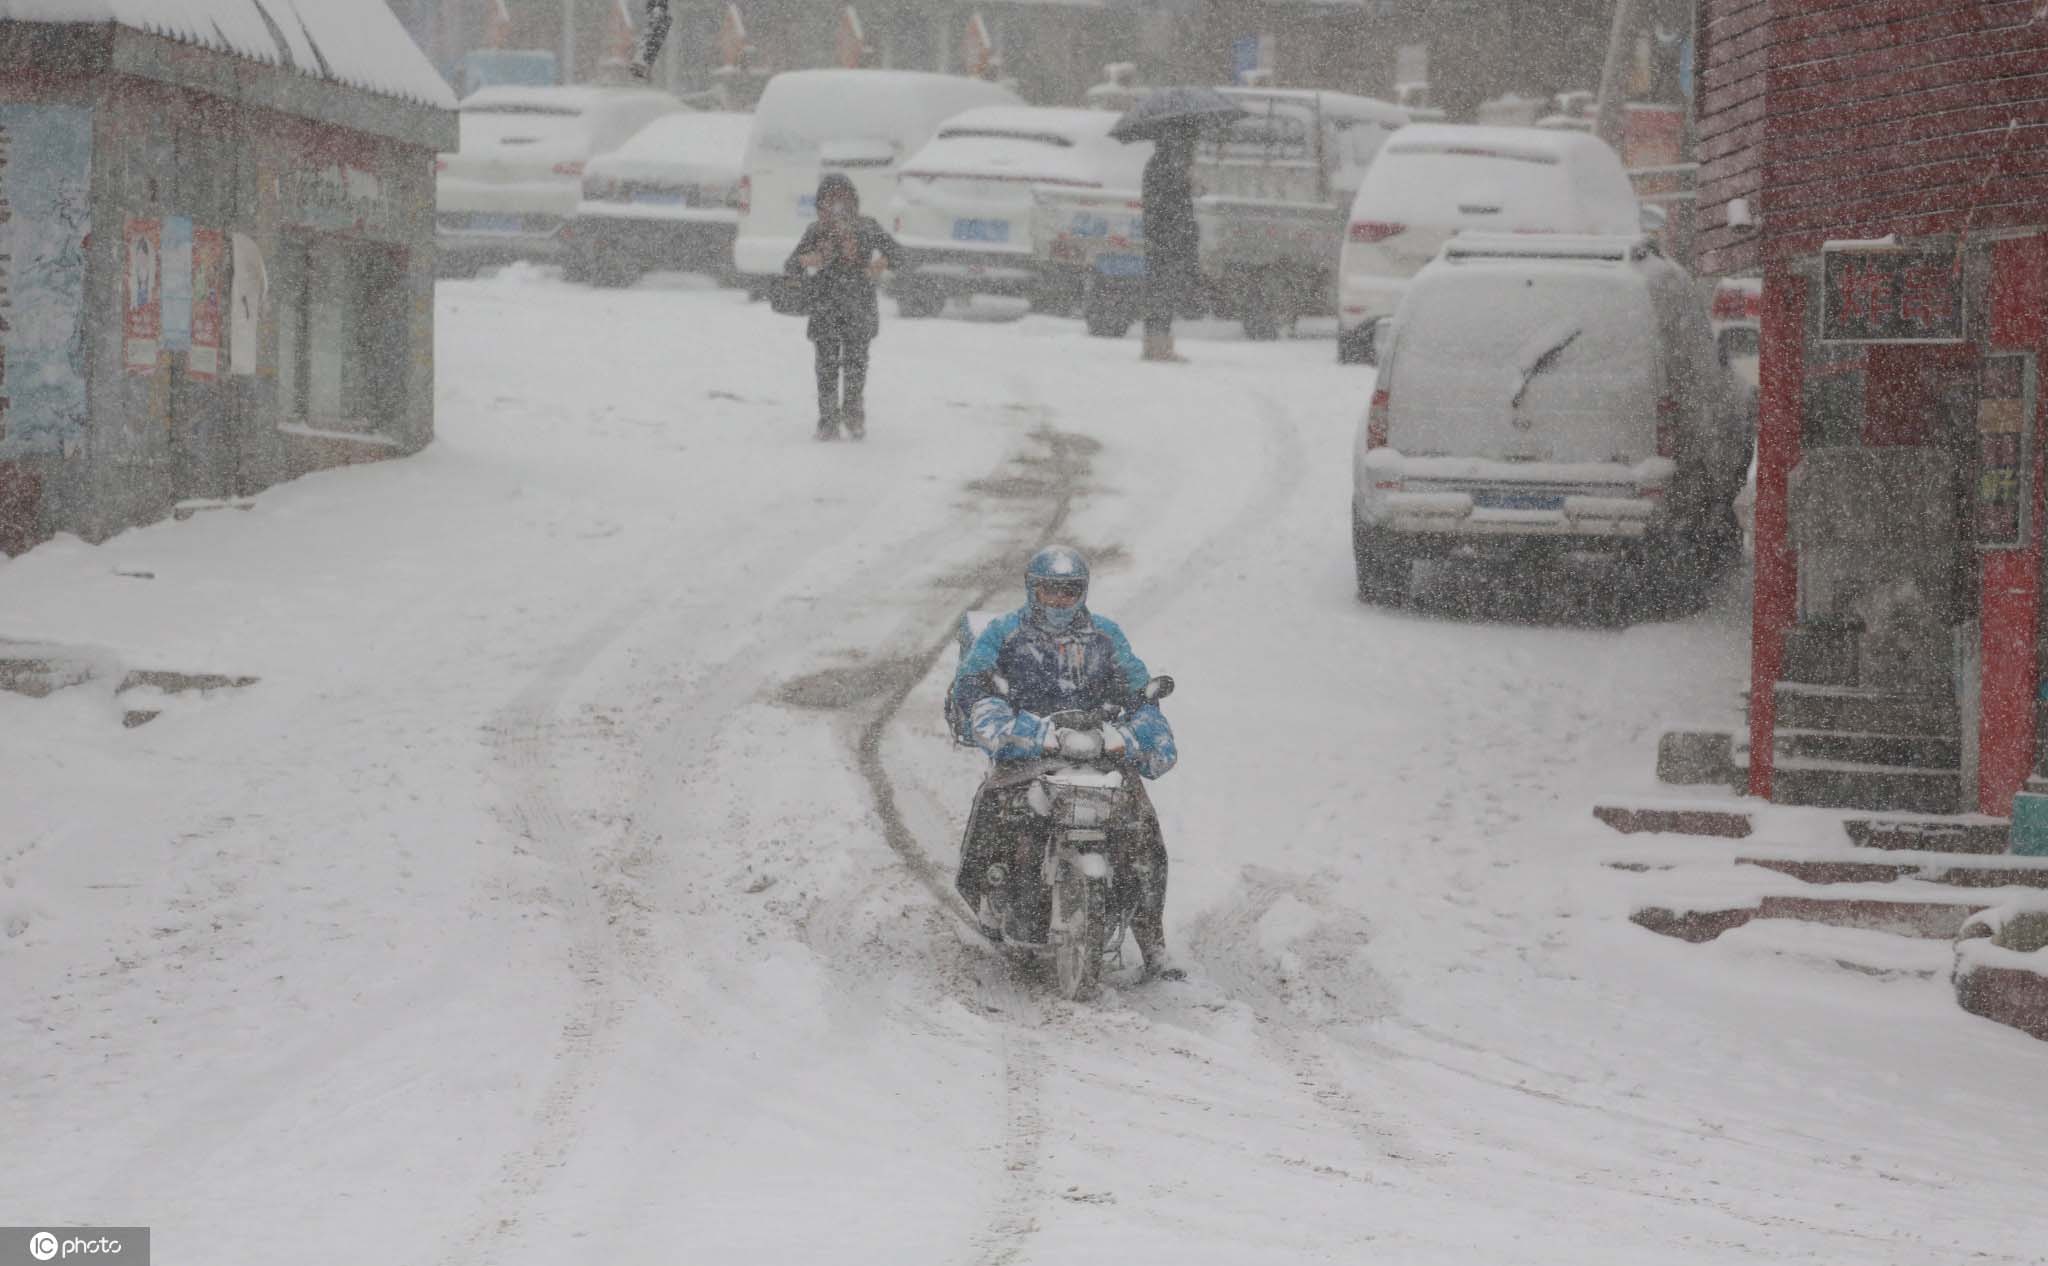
[
  {"x": 1547, "y": 392},
  {"x": 1430, "y": 181},
  {"x": 666, "y": 200},
  {"x": 517, "y": 176},
  {"x": 860, "y": 123},
  {"x": 965, "y": 203}
]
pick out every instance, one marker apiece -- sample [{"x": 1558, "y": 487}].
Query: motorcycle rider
[{"x": 1054, "y": 655}]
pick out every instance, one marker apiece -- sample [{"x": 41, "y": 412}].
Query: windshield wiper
[{"x": 1541, "y": 363}]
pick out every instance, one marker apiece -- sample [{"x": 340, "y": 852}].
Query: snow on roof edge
[{"x": 361, "y": 42}]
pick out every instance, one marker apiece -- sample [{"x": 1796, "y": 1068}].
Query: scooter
[{"x": 1068, "y": 889}]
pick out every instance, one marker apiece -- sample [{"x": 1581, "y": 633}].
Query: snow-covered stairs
[{"x": 1888, "y": 899}]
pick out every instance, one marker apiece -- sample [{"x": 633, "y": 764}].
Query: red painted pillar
[
  {"x": 1774, "y": 606},
  {"x": 2012, "y": 578}
]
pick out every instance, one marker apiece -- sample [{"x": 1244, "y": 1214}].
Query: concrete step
[
  {"x": 1845, "y": 785},
  {"x": 1718, "y": 821},
  {"x": 1930, "y": 835},
  {"x": 1860, "y": 866},
  {"x": 1911, "y": 751},
  {"x": 1915, "y": 915},
  {"x": 1838, "y": 708},
  {"x": 1880, "y": 954}
]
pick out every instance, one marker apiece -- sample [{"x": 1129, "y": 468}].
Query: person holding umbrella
[
  {"x": 1173, "y": 239},
  {"x": 1173, "y": 119}
]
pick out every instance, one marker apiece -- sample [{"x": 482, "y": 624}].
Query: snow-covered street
[{"x": 574, "y": 881}]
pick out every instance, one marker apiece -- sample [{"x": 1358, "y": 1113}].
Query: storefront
[
  {"x": 1896, "y": 219},
  {"x": 216, "y": 268},
  {"x": 1899, "y": 524}
]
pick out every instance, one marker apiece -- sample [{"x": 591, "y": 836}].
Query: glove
[
  {"x": 1078, "y": 744},
  {"x": 1113, "y": 742}
]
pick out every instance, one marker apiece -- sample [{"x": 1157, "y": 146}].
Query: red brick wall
[
  {"x": 1866, "y": 117},
  {"x": 1733, "y": 50}
]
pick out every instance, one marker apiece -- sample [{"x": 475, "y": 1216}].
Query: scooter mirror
[{"x": 1158, "y": 688}]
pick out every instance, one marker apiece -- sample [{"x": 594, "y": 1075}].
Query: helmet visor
[{"x": 1060, "y": 593}]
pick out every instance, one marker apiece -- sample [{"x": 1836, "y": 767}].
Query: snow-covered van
[
  {"x": 518, "y": 174},
  {"x": 860, "y": 123},
  {"x": 1547, "y": 389},
  {"x": 666, "y": 200},
  {"x": 965, "y": 204},
  {"x": 1430, "y": 181}
]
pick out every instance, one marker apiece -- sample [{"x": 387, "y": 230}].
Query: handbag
[{"x": 790, "y": 296}]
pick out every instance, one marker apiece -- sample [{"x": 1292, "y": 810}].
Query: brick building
[
  {"x": 1884, "y": 167},
  {"x": 216, "y": 251}
]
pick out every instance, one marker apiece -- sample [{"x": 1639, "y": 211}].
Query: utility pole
[
  {"x": 568, "y": 41},
  {"x": 1609, "y": 112}
]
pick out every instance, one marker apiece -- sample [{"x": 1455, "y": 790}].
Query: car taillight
[
  {"x": 1375, "y": 230},
  {"x": 440, "y": 165},
  {"x": 1376, "y": 420},
  {"x": 899, "y": 224},
  {"x": 569, "y": 169},
  {"x": 746, "y": 195},
  {"x": 1667, "y": 427}
]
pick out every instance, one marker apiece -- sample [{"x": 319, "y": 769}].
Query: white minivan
[
  {"x": 1549, "y": 394},
  {"x": 1431, "y": 181},
  {"x": 861, "y": 123},
  {"x": 965, "y": 203}
]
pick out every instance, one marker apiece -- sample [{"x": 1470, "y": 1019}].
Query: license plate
[
  {"x": 1518, "y": 501},
  {"x": 660, "y": 197},
  {"x": 981, "y": 230},
  {"x": 496, "y": 223},
  {"x": 1120, "y": 265}
]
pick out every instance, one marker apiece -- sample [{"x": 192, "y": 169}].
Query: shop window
[{"x": 343, "y": 335}]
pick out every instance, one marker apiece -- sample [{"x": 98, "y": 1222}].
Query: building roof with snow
[{"x": 359, "y": 43}]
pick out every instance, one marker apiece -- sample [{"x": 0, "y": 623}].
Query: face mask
[{"x": 1059, "y": 617}]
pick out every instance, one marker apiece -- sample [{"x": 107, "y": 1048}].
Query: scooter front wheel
[{"x": 1080, "y": 913}]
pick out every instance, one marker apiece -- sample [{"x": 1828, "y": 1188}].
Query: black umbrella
[{"x": 1167, "y": 110}]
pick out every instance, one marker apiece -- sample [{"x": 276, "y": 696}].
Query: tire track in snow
[
  {"x": 523, "y": 731},
  {"x": 1013, "y": 1220},
  {"x": 905, "y": 820},
  {"x": 607, "y": 949}
]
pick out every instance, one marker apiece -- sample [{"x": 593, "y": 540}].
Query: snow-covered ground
[{"x": 536, "y": 904}]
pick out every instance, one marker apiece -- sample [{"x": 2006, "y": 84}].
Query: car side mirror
[{"x": 1158, "y": 688}]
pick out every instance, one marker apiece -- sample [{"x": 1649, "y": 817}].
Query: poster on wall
[
  {"x": 2005, "y": 406},
  {"x": 209, "y": 299},
  {"x": 45, "y": 217},
  {"x": 177, "y": 284},
  {"x": 246, "y": 295},
  {"x": 142, "y": 298}
]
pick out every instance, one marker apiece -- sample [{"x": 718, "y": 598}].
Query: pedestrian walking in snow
[
  {"x": 1172, "y": 238},
  {"x": 840, "y": 257}
]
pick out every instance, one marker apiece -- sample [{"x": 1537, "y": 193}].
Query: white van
[
  {"x": 862, "y": 123},
  {"x": 965, "y": 203},
  {"x": 1548, "y": 392},
  {"x": 1430, "y": 181}
]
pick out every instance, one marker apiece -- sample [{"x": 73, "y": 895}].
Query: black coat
[
  {"x": 842, "y": 295},
  {"x": 1173, "y": 240}
]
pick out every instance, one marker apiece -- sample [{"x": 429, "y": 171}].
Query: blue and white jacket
[{"x": 1083, "y": 666}]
